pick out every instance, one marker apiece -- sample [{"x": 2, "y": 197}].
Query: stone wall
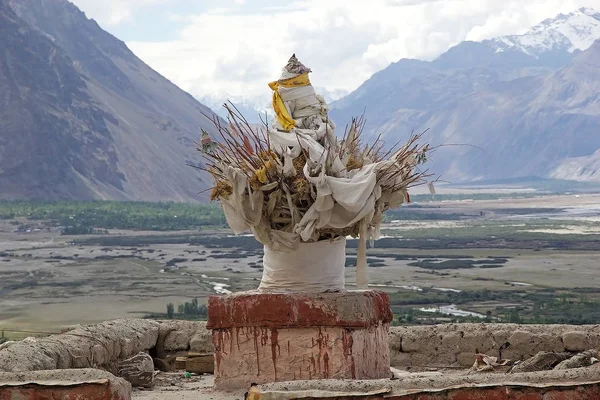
[
  {"x": 415, "y": 347},
  {"x": 448, "y": 345},
  {"x": 94, "y": 346},
  {"x": 453, "y": 345},
  {"x": 104, "y": 345}
]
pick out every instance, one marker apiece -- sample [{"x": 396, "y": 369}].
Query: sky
[{"x": 233, "y": 48}]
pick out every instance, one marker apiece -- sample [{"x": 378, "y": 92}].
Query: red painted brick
[
  {"x": 84, "y": 391},
  {"x": 517, "y": 395},
  {"x": 580, "y": 393},
  {"x": 583, "y": 391},
  {"x": 274, "y": 310},
  {"x": 497, "y": 393},
  {"x": 429, "y": 396}
]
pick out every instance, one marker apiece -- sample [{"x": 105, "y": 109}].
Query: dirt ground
[{"x": 174, "y": 386}]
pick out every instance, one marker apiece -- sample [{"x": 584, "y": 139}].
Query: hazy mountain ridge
[
  {"x": 525, "y": 111},
  {"x": 84, "y": 118}
]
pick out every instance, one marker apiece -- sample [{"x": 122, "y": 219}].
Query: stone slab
[
  {"x": 575, "y": 384},
  {"x": 589, "y": 391},
  {"x": 200, "y": 364},
  {"x": 71, "y": 384}
]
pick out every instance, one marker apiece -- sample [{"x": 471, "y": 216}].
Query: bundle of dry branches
[{"x": 287, "y": 196}]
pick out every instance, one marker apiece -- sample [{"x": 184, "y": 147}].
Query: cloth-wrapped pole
[
  {"x": 362, "y": 274},
  {"x": 311, "y": 268}
]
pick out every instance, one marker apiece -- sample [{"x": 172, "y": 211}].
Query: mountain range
[
  {"x": 509, "y": 107},
  {"x": 81, "y": 117}
]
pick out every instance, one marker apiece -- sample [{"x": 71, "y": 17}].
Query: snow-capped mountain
[
  {"x": 528, "y": 103},
  {"x": 571, "y": 32}
]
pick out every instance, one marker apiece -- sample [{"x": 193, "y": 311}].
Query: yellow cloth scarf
[{"x": 284, "y": 118}]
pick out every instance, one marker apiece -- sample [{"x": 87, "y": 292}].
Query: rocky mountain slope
[
  {"x": 518, "y": 106},
  {"x": 81, "y": 117}
]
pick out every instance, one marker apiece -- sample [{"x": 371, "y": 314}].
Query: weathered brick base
[
  {"x": 574, "y": 392},
  {"x": 75, "y": 384},
  {"x": 570, "y": 384},
  {"x": 264, "y": 338},
  {"x": 583, "y": 391}
]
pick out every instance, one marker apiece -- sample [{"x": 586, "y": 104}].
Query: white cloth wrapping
[
  {"x": 312, "y": 267},
  {"x": 341, "y": 199},
  {"x": 242, "y": 210},
  {"x": 340, "y": 202},
  {"x": 306, "y": 107}
]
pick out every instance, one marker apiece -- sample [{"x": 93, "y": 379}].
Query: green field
[
  {"x": 84, "y": 217},
  {"x": 75, "y": 217}
]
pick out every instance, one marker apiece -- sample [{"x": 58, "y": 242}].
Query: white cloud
[
  {"x": 237, "y": 51},
  {"x": 114, "y": 12}
]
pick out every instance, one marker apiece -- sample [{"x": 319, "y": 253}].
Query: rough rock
[
  {"x": 549, "y": 342},
  {"x": 395, "y": 342},
  {"x": 86, "y": 346},
  {"x": 200, "y": 364},
  {"x": 201, "y": 342},
  {"x": 465, "y": 359},
  {"x": 575, "y": 341},
  {"x": 162, "y": 365},
  {"x": 182, "y": 333},
  {"x": 399, "y": 358},
  {"x": 594, "y": 339},
  {"x": 413, "y": 343},
  {"x": 523, "y": 338},
  {"x": 542, "y": 361},
  {"x": 6, "y": 344},
  {"x": 580, "y": 360},
  {"x": 421, "y": 360},
  {"x": 452, "y": 341},
  {"x": 477, "y": 341},
  {"x": 137, "y": 370}
]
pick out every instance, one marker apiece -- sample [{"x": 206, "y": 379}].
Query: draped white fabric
[{"x": 341, "y": 199}]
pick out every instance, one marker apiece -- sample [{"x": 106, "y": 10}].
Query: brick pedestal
[{"x": 262, "y": 337}]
